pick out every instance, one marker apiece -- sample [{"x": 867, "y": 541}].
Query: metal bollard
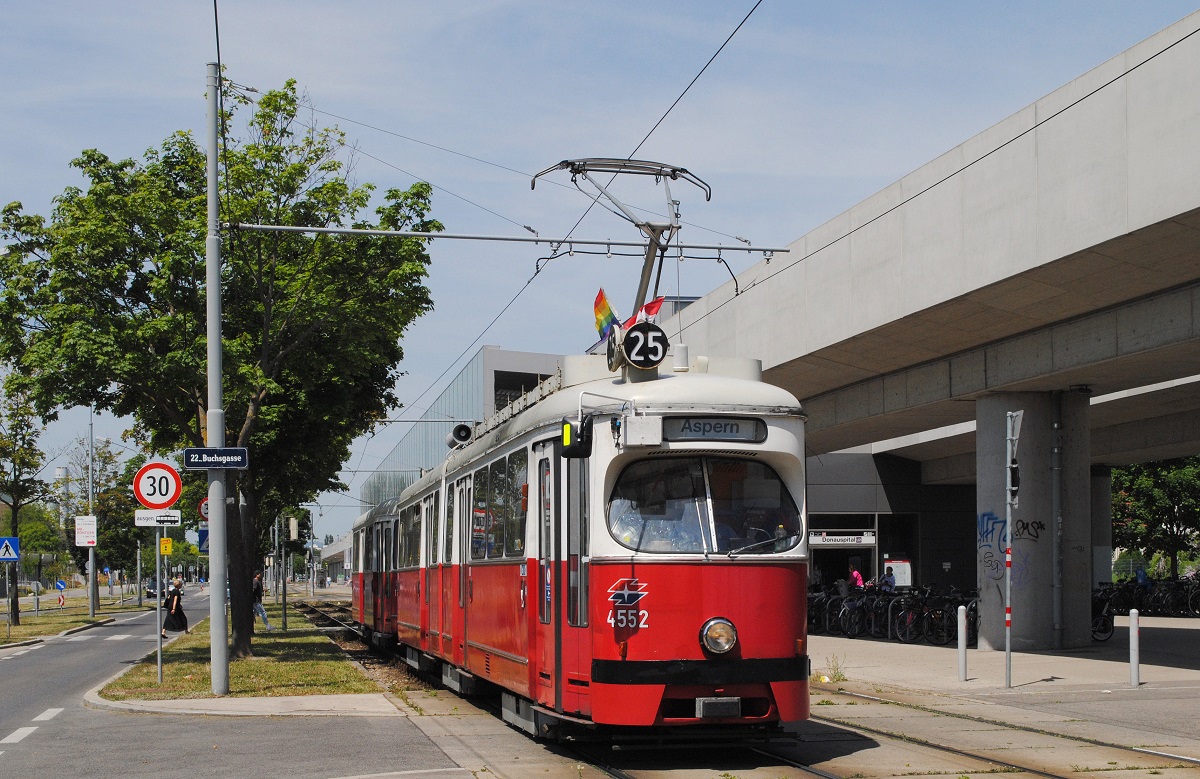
[
  {"x": 1134, "y": 651},
  {"x": 962, "y": 643}
]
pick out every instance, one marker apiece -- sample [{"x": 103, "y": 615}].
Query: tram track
[
  {"x": 1012, "y": 726},
  {"x": 1043, "y": 752},
  {"x": 894, "y": 738}
]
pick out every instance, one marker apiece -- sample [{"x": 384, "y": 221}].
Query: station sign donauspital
[{"x": 841, "y": 538}]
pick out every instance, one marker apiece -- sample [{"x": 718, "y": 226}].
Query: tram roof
[{"x": 728, "y": 386}]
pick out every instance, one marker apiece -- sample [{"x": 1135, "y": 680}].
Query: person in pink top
[{"x": 855, "y": 577}]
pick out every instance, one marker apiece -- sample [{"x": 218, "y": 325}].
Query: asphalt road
[{"x": 46, "y": 731}]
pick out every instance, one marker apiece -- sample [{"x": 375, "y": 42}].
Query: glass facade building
[{"x": 491, "y": 380}]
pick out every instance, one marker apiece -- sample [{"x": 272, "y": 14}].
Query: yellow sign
[{"x": 164, "y": 546}]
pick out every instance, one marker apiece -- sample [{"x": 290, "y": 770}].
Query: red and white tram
[{"x": 609, "y": 552}]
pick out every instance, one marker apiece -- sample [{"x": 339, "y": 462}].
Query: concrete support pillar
[
  {"x": 1051, "y": 526},
  {"x": 1102, "y": 548}
]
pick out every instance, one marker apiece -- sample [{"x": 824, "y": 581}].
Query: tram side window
[
  {"x": 412, "y": 537},
  {"x": 431, "y": 515},
  {"x": 516, "y": 503},
  {"x": 497, "y": 508},
  {"x": 577, "y": 546},
  {"x": 446, "y": 555},
  {"x": 479, "y": 515}
]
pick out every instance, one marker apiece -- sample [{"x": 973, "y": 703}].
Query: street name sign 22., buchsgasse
[{"x": 203, "y": 458}]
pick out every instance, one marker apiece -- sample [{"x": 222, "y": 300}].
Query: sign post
[
  {"x": 157, "y": 486},
  {"x": 158, "y": 597},
  {"x": 10, "y": 552},
  {"x": 1012, "y": 481}
]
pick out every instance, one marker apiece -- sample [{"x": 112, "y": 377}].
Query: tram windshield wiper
[{"x": 757, "y": 544}]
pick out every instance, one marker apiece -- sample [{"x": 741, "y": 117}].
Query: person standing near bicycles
[
  {"x": 855, "y": 578},
  {"x": 887, "y": 582}
]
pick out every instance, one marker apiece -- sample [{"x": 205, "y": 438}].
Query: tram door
[
  {"x": 548, "y": 644},
  {"x": 370, "y": 579},
  {"x": 446, "y": 590},
  {"x": 463, "y": 584},
  {"x": 430, "y": 611}
]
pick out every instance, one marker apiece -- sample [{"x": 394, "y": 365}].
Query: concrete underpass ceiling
[{"x": 1136, "y": 427}]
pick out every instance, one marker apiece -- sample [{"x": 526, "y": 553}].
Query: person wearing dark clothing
[
  {"x": 176, "y": 619},
  {"x": 259, "y": 610}
]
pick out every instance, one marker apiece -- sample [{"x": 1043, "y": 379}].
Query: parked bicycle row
[
  {"x": 1157, "y": 597},
  {"x": 921, "y": 614}
]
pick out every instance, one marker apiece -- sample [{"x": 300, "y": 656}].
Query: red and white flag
[{"x": 646, "y": 313}]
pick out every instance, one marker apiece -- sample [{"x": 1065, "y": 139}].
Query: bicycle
[{"x": 1102, "y": 621}]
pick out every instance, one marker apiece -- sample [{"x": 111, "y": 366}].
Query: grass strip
[{"x": 302, "y": 661}]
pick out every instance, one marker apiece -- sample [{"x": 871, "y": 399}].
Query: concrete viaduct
[{"x": 1050, "y": 264}]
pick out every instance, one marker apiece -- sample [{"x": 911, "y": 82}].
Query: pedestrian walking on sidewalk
[
  {"x": 259, "y": 610},
  {"x": 176, "y": 619}
]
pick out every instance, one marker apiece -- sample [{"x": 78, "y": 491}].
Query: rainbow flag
[{"x": 605, "y": 318}]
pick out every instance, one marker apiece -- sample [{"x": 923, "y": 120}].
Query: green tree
[
  {"x": 1156, "y": 507},
  {"x": 40, "y": 531},
  {"x": 21, "y": 464},
  {"x": 105, "y": 305},
  {"x": 111, "y": 500}
]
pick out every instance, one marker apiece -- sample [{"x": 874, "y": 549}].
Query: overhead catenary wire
[
  {"x": 539, "y": 266},
  {"x": 671, "y": 108},
  {"x": 566, "y": 241}
]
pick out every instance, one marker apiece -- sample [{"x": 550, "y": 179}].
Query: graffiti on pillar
[
  {"x": 1022, "y": 566},
  {"x": 991, "y": 545},
  {"x": 1031, "y": 530}
]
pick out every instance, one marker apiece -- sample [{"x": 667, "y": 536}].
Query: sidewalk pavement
[
  {"x": 1080, "y": 693},
  {"x": 1169, "y": 656}
]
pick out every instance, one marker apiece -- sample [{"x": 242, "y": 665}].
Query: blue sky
[{"x": 811, "y": 108}]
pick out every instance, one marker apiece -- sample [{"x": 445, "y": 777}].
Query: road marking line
[
  {"x": 18, "y": 653},
  {"x": 135, "y": 616},
  {"x": 48, "y": 714},
  {"x": 17, "y": 735},
  {"x": 81, "y": 638},
  {"x": 118, "y": 637}
]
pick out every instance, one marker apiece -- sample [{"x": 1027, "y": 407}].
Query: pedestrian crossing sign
[{"x": 10, "y": 549}]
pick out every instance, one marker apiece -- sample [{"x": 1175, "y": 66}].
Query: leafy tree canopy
[
  {"x": 105, "y": 304},
  {"x": 1156, "y": 507},
  {"x": 40, "y": 531},
  {"x": 21, "y": 464}
]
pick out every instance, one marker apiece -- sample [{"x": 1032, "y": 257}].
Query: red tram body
[{"x": 654, "y": 577}]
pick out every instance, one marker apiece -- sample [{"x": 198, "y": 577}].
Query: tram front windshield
[{"x": 703, "y": 504}]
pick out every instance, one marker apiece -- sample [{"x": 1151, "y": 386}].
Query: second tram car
[{"x": 608, "y": 552}]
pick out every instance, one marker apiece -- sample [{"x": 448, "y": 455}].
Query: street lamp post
[{"x": 312, "y": 546}]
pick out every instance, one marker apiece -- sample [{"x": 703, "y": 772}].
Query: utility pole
[
  {"x": 93, "y": 582},
  {"x": 215, "y": 417}
]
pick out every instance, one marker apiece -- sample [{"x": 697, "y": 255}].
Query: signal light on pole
[{"x": 1014, "y": 481}]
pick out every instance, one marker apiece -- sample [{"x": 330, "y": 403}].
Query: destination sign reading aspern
[{"x": 745, "y": 429}]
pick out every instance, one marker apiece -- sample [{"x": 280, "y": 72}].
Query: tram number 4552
[{"x": 628, "y": 618}]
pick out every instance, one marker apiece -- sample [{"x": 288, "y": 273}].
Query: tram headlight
[{"x": 718, "y": 635}]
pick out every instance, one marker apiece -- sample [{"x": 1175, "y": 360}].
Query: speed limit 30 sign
[{"x": 157, "y": 485}]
